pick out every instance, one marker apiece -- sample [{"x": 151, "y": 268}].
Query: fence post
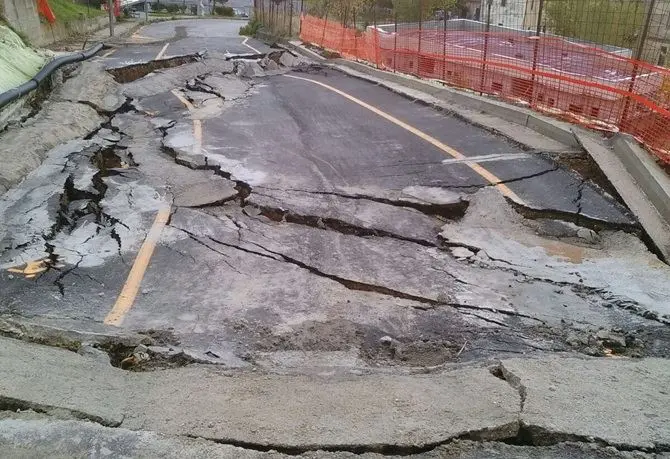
[
  {"x": 418, "y": 56},
  {"x": 353, "y": 13},
  {"x": 486, "y": 45},
  {"x": 344, "y": 31},
  {"x": 536, "y": 50},
  {"x": 395, "y": 41},
  {"x": 110, "y": 10},
  {"x": 325, "y": 23},
  {"x": 444, "y": 48},
  {"x": 638, "y": 56},
  {"x": 375, "y": 35}
]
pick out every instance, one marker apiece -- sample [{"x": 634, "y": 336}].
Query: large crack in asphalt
[
  {"x": 16, "y": 405},
  {"x": 449, "y": 211},
  {"x": 76, "y": 204},
  {"x": 534, "y": 435},
  {"x": 609, "y": 299},
  {"x": 129, "y": 73},
  {"x": 428, "y": 303},
  {"x": 334, "y": 224}
]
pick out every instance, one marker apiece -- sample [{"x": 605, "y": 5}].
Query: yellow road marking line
[
  {"x": 183, "y": 100},
  {"x": 197, "y": 124},
  {"x": 246, "y": 39},
  {"x": 482, "y": 172},
  {"x": 35, "y": 267},
  {"x": 162, "y": 52},
  {"x": 129, "y": 292},
  {"x": 109, "y": 53},
  {"x": 197, "y": 134},
  {"x": 142, "y": 37}
]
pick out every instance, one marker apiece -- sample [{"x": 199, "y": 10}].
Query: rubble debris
[{"x": 461, "y": 253}]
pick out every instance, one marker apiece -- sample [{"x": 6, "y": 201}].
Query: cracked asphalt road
[
  {"x": 174, "y": 38},
  {"x": 309, "y": 233}
]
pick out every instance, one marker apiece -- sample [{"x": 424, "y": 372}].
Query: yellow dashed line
[
  {"x": 197, "y": 124},
  {"x": 481, "y": 171},
  {"x": 127, "y": 297},
  {"x": 129, "y": 292}
]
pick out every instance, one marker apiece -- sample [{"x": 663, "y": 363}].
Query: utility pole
[
  {"x": 536, "y": 48},
  {"x": 110, "y": 10}
]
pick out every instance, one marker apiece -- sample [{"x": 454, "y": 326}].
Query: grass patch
[
  {"x": 66, "y": 11},
  {"x": 21, "y": 35},
  {"x": 251, "y": 28}
]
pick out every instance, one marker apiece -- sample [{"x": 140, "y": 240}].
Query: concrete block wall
[
  {"x": 23, "y": 17},
  {"x": 51, "y": 33}
]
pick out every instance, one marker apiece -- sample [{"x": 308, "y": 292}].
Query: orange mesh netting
[
  {"x": 45, "y": 10},
  {"x": 583, "y": 84}
]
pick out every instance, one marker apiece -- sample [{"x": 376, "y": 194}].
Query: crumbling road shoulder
[{"x": 532, "y": 402}]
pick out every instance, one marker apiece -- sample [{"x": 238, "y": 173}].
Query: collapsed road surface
[{"x": 264, "y": 214}]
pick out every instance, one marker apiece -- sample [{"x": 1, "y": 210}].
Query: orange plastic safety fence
[
  {"x": 44, "y": 9},
  {"x": 583, "y": 84}
]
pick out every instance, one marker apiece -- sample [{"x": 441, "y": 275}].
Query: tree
[
  {"x": 612, "y": 22},
  {"x": 413, "y": 10}
]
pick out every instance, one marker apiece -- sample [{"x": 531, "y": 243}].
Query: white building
[{"x": 516, "y": 14}]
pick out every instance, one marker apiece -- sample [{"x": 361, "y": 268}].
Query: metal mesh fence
[
  {"x": 600, "y": 63},
  {"x": 280, "y": 17}
]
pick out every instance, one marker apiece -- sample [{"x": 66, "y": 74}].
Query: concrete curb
[
  {"x": 625, "y": 166},
  {"x": 654, "y": 182},
  {"x": 548, "y": 127}
]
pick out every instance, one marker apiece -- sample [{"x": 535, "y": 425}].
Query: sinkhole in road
[
  {"x": 133, "y": 72},
  {"x": 110, "y": 160}
]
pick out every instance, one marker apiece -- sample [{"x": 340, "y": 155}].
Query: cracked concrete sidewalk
[{"x": 533, "y": 401}]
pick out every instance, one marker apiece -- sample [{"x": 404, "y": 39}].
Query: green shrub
[
  {"x": 224, "y": 11},
  {"x": 251, "y": 28}
]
